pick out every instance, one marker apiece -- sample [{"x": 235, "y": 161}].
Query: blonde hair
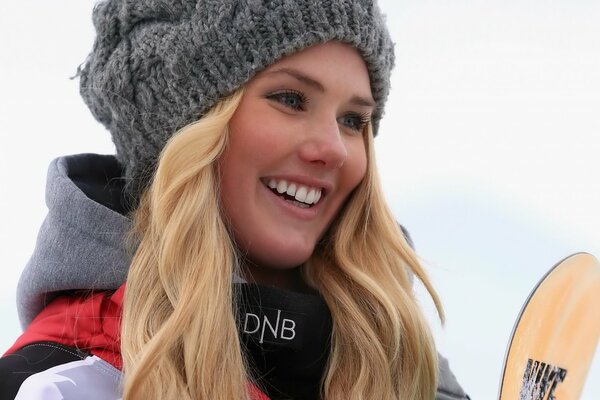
[{"x": 179, "y": 336}]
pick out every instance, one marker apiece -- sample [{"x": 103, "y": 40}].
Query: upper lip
[{"x": 303, "y": 180}]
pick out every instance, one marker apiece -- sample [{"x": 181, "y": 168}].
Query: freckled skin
[{"x": 276, "y": 131}]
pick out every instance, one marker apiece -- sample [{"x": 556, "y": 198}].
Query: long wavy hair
[{"x": 179, "y": 335}]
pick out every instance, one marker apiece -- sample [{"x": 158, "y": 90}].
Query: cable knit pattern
[{"x": 158, "y": 65}]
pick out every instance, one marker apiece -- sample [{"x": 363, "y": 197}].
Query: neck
[{"x": 288, "y": 278}]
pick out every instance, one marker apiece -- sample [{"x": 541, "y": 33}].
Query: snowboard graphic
[{"x": 555, "y": 336}]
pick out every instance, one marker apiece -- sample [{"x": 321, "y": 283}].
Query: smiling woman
[
  {"x": 297, "y": 130},
  {"x": 243, "y": 210}
]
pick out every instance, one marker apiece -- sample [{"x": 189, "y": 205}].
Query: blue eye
[
  {"x": 356, "y": 122},
  {"x": 289, "y": 98}
]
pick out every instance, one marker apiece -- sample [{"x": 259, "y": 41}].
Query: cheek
[
  {"x": 254, "y": 143},
  {"x": 355, "y": 166},
  {"x": 251, "y": 151}
]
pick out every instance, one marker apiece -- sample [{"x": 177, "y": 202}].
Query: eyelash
[
  {"x": 280, "y": 95},
  {"x": 363, "y": 118}
]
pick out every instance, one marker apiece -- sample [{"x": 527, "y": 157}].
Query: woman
[{"x": 264, "y": 262}]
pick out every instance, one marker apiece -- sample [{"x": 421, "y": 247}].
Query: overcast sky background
[{"x": 489, "y": 152}]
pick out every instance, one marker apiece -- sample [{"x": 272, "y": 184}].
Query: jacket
[{"x": 70, "y": 296}]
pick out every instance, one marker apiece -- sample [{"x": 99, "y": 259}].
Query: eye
[
  {"x": 289, "y": 98},
  {"x": 354, "y": 121}
]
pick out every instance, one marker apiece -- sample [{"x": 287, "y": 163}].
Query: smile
[{"x": 295, "y": 193}]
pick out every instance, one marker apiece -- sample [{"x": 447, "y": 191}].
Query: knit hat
[{"x": 158, "y": 65}]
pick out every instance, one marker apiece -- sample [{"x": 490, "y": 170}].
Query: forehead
[{"x": 330, "y": 64}]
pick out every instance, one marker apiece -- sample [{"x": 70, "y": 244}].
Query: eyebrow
[{"x": 300, "y": 76}]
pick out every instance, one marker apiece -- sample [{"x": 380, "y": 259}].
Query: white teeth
[
  {"x": 282, "y": 186},
  {"x": 301, "y": 194},
  {"x": 304, "y": 194},
  {"x": 317, "y": 197},
  {"x": 291, "y": 189},
  {"x": 310, "y": 197}
]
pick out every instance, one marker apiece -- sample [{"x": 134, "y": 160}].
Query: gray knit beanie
[{"x": 158, "y": 65}]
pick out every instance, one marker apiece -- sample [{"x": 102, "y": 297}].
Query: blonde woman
[{"x": 242, "y": 209}]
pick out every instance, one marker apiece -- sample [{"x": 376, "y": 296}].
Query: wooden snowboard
[{"x": 556, "y": 334}]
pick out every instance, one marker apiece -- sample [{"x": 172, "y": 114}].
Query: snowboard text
[{"x": 540, "y": 381}]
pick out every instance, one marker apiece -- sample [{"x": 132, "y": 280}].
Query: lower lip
[{"x": 305, "y": 214}]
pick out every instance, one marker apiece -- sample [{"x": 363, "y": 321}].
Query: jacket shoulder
[
  {"x": 49, "y": 371},
  {"x": 448, "y": 387},
  {"x": 16, "y": 367}
]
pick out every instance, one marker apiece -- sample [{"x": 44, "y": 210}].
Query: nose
[{"x": 324, "y": 145}]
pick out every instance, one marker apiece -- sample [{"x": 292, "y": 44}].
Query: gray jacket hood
[{"x": 81, "y": 243}]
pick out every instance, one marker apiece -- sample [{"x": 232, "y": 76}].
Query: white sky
[{"x": 489, "y": 152}]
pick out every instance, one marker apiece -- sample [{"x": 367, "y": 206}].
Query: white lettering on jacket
[{"x": 286, "y": 330}]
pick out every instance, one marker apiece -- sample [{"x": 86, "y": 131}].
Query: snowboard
[{"x": 556, "y": 334}]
